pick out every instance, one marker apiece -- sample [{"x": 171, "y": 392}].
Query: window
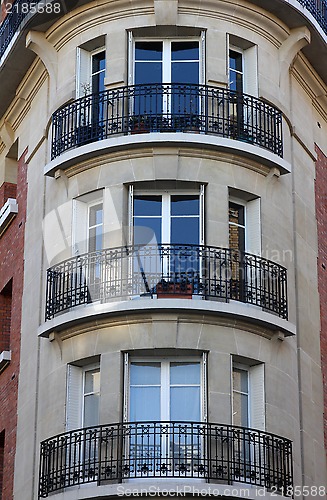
[
  {"x": 171, "y": 217},
  {"x": 241, "y": 398},
  {"x": 88, "y": 223},
  {"x": 82, "y": 411},
  {"x": 236, "y": 77},
  {"x": 5, "y": 317},
  {"x": 243, "y": 66},
  {"x": 244, "y": 236},
  {"x": 244, "y": 223},
  {"x": 248, "y": 411},
  {"x": 167, "y": 61},
  {"x": 168, "y": 395},
  {"x": 167, "y": 390},
  {"x": 178, "y": 66},
  {"x": 83, "y": 394},
  {"x": 90, "y": 71},
  {"x": 167, "y": 229},
  {"x": 248, "y": 400}
]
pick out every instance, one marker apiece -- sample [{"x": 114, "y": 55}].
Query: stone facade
[{"x": 91, "y": 307}]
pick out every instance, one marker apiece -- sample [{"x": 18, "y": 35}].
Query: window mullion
[{"x": 165, "y": 391}]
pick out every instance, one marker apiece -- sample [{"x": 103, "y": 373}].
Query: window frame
[
  {"x": 84, "y": 68},
  {"x": 166, "y": 212},
  {"x": 249, "y": 221},
  {"x": 166, "y": 56},
  {"x": 165, "y": 390},
  {"x": 233, "y": 48}
]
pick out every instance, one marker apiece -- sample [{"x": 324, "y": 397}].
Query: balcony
[
  {"x": 167, "y": 108},
  {"x": 212, "y": 452},
  {"x": 318, "y": 9},
  {"x": 166, "y": 271}
]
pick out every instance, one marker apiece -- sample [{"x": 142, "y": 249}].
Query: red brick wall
[
  {"x": 11, "y": 268},
  {"x": 7, "y": 190},
  {"x": 321, "y": 214},
  {"x": 2, "y": 447}
]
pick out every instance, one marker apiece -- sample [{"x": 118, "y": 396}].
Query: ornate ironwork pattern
[
  {"x": 167, "y": 108},
  {"x": 209, "y": 451},
  {"x": 166, "y": 271}
]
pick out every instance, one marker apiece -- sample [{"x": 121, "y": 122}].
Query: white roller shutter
[
  {"x": 79, "y": 231},
  {"x": 74, "y": 397},
  {"x": 257, "y": 397},
  {"x": 251, "y": 71},
  {"x": 83, "y": 73},
  {"x": 253, "y": 227}
]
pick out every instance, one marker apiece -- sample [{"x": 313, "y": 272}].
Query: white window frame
[
  {"x": 245, "y": 368},
  {"x": 256, "y": 393},
  {"x": 166, "y": 215},
  {"x": 164, "y": 392},
  {"x": 166, "y": 55},
  {"x": 80, "y": 220},
  {"x": 84, "y": 70},
  {"x": 75, "y": 390},
  {"x": 89, "y": 227},
  {"x": 252, "y": 236},
  {"x": 88, "y": 368},
  {"x": 239, "y": 51}
]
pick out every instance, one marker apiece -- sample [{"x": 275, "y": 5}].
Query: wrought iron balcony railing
[
  {"x": 167, "y": 108},
  {"x": 116, "y": 452},
  {"x": 166, "y": 271},
  {"x": 318, "y": 8}
]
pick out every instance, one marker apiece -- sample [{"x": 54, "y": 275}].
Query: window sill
[
  {"x": 7, "y": 213},
  {"x": 5, "y": 358}
]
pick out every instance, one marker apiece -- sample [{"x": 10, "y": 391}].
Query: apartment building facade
[{"x": 171, "y": 332}]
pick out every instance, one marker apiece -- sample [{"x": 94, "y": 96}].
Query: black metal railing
[
  {"x": 166, "y": 271},
  {"x": 116, "y": 452},
  {"x": 318, "y": 9},
  {"x": 167, "y": 108}
]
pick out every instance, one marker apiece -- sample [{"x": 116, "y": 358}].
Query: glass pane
[
  {"x": 240, "y": 409},
  {"x": 147, "y": 230},
  {"x": 236, "y": 81},
  {"x": 185, "y": 403},
  {"x": 98, "y": 85},
  {"x": 144, "y": 404},
  {"x": 91, "y": 410},
  {"x": 147, "y": 205},
  {"x": 185, "y": 231},
  {"x": 98, "y": 62},
  {"x": 185, "y": 72},
  {"x": 148, "y": 51},
  {"x": 92, "y": 381},
  {"x": 95, "y": 215},
  {"x": 145, "y": 373},
  {"x": 235, "y": 60},
  {"x": 184, "y": 51},
  {"x": 236, "y": 213},
  {"x": 95, "y": 239},
  {"x": 185, "y": 205},
  {"x": 240, "y": 380},
  {"x": 148, "y": 72},
  {"x": 185, "y": 373}
]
